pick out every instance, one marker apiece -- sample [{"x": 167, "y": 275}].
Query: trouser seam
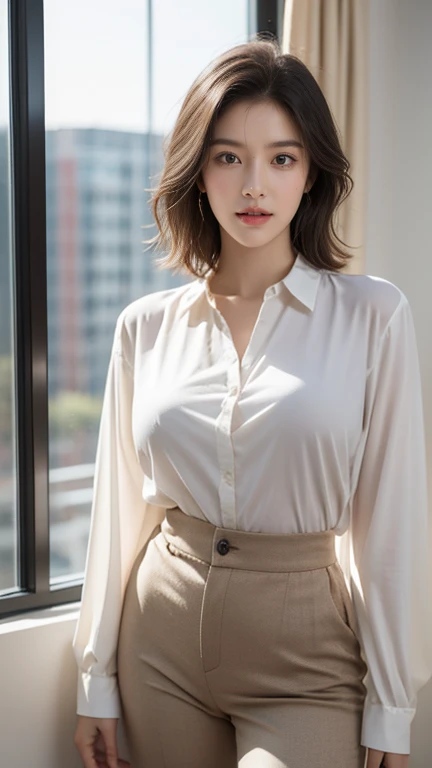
[{"x": 201, "y": 646}]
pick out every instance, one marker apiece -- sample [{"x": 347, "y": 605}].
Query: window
[
  {"x": 8, "y": 427},
  {"x": 94, "y": 87}
]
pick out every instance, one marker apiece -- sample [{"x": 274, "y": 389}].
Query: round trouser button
[{"x": 223, "y": 546}]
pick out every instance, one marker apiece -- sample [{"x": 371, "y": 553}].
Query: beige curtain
[{"x": 331, "y": 38}]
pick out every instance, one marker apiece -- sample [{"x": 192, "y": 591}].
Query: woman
[{"x": 250, "y": 417}]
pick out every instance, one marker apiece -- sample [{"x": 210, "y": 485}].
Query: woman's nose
[{"x": 254, "y": 183}]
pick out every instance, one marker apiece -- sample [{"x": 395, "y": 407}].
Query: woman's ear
[{"x": 313, "y": 173}]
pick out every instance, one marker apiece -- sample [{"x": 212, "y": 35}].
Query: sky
[{"x": 96, "y": 58}]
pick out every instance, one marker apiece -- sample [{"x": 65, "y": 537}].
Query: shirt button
[{"x": 223, "y": 546}]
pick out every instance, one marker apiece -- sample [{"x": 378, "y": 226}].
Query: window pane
[
  {"x": 111, "y": 95},
  {"x": 186, "y": 36},
  {"x": 8, "y": 469}
]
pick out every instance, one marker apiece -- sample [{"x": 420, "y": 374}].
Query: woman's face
[{"x": 256, "y": 159}]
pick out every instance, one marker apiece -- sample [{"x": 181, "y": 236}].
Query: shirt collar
[{"x": 302, "y": 281}]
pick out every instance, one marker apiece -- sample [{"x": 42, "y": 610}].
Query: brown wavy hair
[{"x": 255, "y": 70}]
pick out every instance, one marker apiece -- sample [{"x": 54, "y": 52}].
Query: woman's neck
[{"x": 233, "y": 279}]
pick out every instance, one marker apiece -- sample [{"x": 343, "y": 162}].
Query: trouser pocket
[{"x": 340, "y": 599}]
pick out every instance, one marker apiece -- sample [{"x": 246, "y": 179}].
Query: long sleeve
[
  {"x": 121, "y": 522},
  {"x": 390, "y": 541}
]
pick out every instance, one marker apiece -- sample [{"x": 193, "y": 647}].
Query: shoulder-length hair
[{"x": 254, "y": 70}]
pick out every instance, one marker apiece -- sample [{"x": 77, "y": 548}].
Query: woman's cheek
[{"x": 219, "y": 185}]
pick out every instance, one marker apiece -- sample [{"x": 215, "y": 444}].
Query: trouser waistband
[{"x": 247, "y": 550}]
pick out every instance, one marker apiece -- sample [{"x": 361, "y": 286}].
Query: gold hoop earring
[{"x": 200, "y": 206}]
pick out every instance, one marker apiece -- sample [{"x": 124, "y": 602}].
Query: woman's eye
[
  {"x": 284, "y": 157},
  {"x": 230, "y": 157}
]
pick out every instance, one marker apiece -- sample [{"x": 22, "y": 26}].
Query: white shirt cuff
[
  {"x": 387, "y": 728},
  {"x": 98, "y": 695}
]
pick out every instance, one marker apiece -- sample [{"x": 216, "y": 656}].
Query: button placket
[
  {"x": 234, "y": 378},
  {"x": 270, "y": 313},
  {"x": 225, "y": 449}
]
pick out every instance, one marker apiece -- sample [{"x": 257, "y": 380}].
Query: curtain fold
[{"x": 331, "y": 38}]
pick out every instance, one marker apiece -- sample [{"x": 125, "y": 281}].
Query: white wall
[
  {"x": 38, "y": 675},
  {"x": 36, "y": 699},
  {"x": 399, "y": 234},
  {"x": 38, "y": 691}
]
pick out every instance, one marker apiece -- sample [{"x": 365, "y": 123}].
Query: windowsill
[{"x": 40, "y": 618}]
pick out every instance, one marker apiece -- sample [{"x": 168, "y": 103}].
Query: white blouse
[{"x": 319, "y": 427}]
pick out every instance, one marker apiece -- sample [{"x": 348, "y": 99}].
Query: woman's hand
[
  {"x": 96, "y": 741},
  {"x": 391, "y": 759}
]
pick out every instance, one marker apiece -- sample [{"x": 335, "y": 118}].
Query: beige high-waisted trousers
[{"x": 239, "y": 649}]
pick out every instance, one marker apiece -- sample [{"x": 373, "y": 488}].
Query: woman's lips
[{"x": 254, "y": 219}]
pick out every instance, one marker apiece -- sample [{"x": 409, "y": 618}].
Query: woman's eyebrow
[{"x": 273, "y": 145}]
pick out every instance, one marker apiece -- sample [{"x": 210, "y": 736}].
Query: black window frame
[{"x": 27, "y": 105}]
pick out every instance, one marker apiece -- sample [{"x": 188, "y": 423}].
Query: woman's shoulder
[
  {"x": 143, "y": 317},
  {"x": 152, "y": 306},
  {"x": 376, "y": 296}
]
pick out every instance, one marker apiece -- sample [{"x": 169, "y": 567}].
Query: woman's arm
[
  {"x": 378, "y": 759},
  {"x": 121, "y": 523},
  {"x": 391, "y": 579}
]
